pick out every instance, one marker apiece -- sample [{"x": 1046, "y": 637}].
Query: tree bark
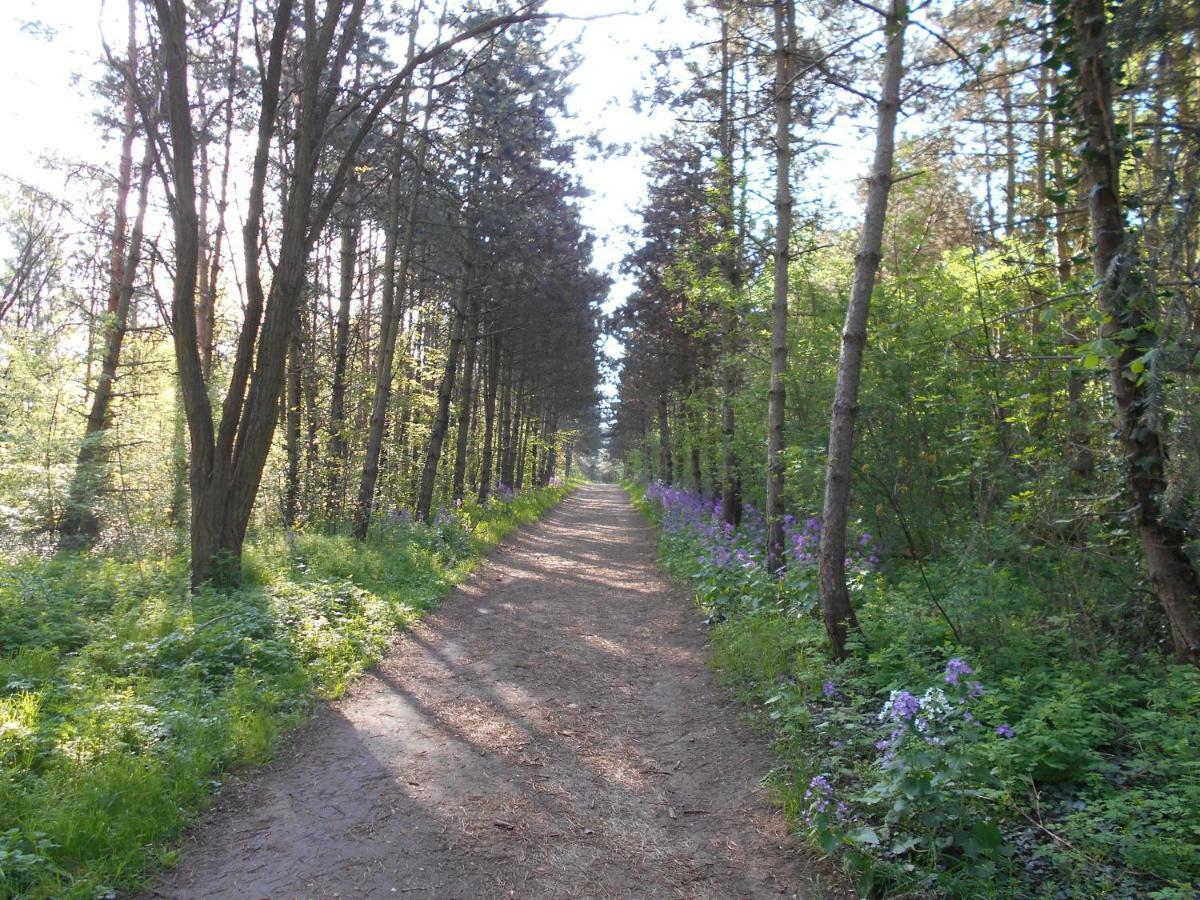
[
  {"x": 489, "y": 418},
  {"x": 291, "y": 481},
  {"x": 338, "y": 445},
  {"x": 731, "y": 475},
  {"x": 466, "y": 402},
  {"x": 665, "y": 469},
  {"x": 785, "y": 30},
  {"x": 835, "y": 596},
  {"x": 441, "y": 419},
  {"x": 1129, "y": 326}
]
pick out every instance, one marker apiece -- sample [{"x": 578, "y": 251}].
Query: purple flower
[
  {"x": 956, "y": 669},
  {"x": 1005, "y": 731},
  {"x": 829, "y": 689},
  {"x": 975, "y": 690},
  {"x": 902, "y": 706}
]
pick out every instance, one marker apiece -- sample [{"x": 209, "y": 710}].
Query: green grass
[{"x": 122, "y": 699}]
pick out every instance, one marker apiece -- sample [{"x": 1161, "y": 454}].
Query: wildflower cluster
[
  {"x": 821, "y": 808},
  {"x": 684, "y": 512},
  {"x": 933, "y": 789},
  {"x": 729, "y": 564},
  {"x": 804, "y": 542},
  {"x": 934, "y": 717}
]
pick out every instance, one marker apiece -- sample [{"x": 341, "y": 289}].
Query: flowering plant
[
  {"x": 932, "y": 792},
  {"x": 729, "y": 564}
]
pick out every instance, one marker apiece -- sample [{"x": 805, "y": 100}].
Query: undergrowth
[
  {"x": 1040, "y": 753},
  {"x": 122, "y": 699}
]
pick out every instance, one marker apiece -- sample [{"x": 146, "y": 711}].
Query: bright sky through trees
[{"x": 50, "y": 55}]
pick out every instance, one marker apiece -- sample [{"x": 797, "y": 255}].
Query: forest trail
[{"x": 552, "y": 730}]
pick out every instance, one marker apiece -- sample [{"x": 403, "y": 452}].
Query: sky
[{"x": 46, "y": 108}]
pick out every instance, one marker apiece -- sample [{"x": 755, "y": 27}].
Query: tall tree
[
  {"x": 1130, "y": 330},
  {"x": 785, "y": 50},
  {"x": 80, "y": 525},
  {"x": 836, "y": 608}
]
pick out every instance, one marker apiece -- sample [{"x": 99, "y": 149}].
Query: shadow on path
[{"x": 552, "y": 730}]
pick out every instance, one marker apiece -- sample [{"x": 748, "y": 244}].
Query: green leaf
[
  {"x": 865, "y": 835},
  {"x": 988, "y": 835},
  {"x": 828, "y": 840}
]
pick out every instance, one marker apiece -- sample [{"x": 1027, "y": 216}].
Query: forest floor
[{"x": 552, "y": 730}]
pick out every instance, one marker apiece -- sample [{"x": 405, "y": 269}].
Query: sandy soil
[{"x": 553, "y": 730}]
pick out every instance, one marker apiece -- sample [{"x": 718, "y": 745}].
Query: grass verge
[{"x": 122, "y": 699}]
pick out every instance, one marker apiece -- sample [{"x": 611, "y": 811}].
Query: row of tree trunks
[
  {"x": 395, "y": 288},
  {"x": 665, "y": 458}
]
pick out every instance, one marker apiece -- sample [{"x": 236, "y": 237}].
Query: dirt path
[{"x": 552, "y": 730}]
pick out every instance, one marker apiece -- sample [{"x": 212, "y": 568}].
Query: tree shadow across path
[{"x": 552, "y": 730}]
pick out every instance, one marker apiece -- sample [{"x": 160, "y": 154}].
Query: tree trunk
[
  {"x": 665, "y": 473},
  {"x": 785, "y": 29},
  {"x": 731, "y": 475},
  {"x": 291, "y": 482},
  {"x": 80, "y": 525},
  {"x": 835, "y": 596},
  {"x": 522, "y": 450},
  {"x": 210, "y": 269},
  {"x": 441, "y": 420},
  {"x": 395, "y": 285},
  {"x": 512, "y": 431},
  {"x": 338, "y": 445},
  {"x": 1080, "y": 457},
  {"x": 551, "y": 442},
  {"x": 489, "y": 418},
  {"x": 1129, "y": 325},
  {"x": 466, "y": 403}
]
